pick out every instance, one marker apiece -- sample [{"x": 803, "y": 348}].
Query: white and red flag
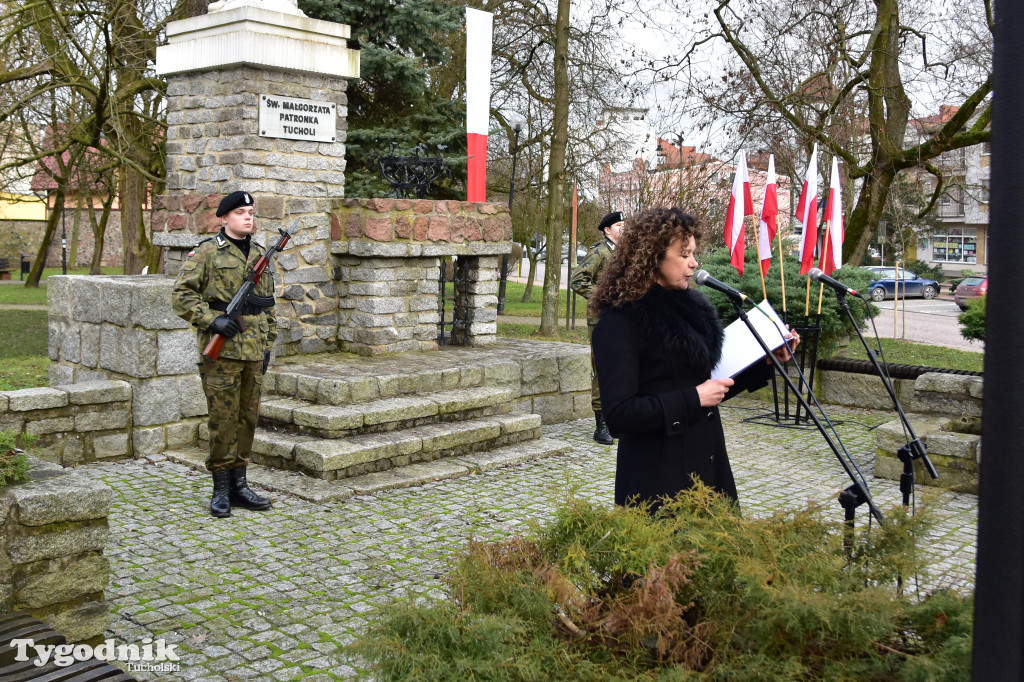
[
  {"x": 740, "y": 205},
  {"x": 479, "y": 33},
  {"x": 832, "y": 253},
  {"x": 807, "y": 214},
  {"x": 769, "y": 218}
]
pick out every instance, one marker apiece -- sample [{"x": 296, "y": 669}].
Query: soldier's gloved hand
[
  {"x": 266, "y": 360},
  {"x": 224, "y": 326}
]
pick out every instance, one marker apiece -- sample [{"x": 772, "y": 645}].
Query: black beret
[
  {"x": 609, "y": 220},
  {"x": 233, "y": 201}
]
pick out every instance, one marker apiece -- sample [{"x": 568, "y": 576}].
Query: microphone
[
  {"x": 704, "y": 279},
  {"x": 818, "y": 276}
]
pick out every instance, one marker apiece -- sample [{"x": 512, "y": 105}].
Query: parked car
[
  {"x": 968, "y": 289},
  {"x": 911, "y": 285}
]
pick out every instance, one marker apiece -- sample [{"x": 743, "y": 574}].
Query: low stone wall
[
  {"x": 123, "y": 328},
  {"x": 860, "y": 390},
  {"x": 52, "y": 533},
  {"x": 945, "y": 412},
  {"x": 77, "y": 423}
]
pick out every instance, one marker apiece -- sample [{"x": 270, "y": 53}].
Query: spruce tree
[{"x": 400, "y": 96}]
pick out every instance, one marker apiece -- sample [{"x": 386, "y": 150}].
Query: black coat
[{"x": 651, "y": 355}]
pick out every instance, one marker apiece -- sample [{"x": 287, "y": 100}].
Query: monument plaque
[{"x": 298, "y": 119}]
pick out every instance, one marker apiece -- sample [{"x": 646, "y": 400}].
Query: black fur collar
[{"x": 683, "y": 322}]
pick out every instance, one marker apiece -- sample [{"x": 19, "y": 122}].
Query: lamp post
[
  {"x": 503, "y": 278},
  {"x": 63, "y": 238}
]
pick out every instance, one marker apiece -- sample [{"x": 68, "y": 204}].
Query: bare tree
[
  {"x": 847, "y": 76},
  {"x": 97, "y": 53}
]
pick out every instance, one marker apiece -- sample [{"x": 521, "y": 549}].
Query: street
[{"x": 924, "y": 321}]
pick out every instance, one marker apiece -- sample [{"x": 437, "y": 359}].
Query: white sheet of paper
[{"x": 740, "y": 349}]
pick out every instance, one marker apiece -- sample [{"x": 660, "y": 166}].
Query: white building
[{"x": 961, "y": 240}]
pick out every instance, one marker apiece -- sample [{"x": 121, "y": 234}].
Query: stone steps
[
  {"x": 386, "y": 414},
  {"x": 319, "y": 491},
  {"x": 329, "y": 386},
  {"x": 337, "y": 417},
  {"x": 336, "y": 458}
]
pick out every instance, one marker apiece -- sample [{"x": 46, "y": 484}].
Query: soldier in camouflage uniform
[
  {"x": 584, "y": 279},
  {"x": 208, "y": 280}
]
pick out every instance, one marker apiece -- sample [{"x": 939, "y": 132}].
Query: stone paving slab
[{"x": 274, "y": 595}]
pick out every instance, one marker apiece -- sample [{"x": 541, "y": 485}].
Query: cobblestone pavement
[{"x": 274, "y": 596}]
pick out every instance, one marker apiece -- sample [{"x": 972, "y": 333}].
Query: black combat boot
[
  {"x": 601, "y": 433},
  {"x": 220, "y": 504},
  {"x": 241, "y": 496}
]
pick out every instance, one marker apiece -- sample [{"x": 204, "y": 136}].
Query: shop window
[{"x": 955, "y": 245}]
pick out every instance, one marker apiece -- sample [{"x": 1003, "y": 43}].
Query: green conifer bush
[{"x": 692, "y": 591}]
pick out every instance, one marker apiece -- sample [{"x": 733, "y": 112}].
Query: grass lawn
[
  {"x": 529, "y": 331},
  {"x": 515, "y": 306},
  {"x": 900, "y": 352},
  {"x": 18, "y": 294},
  {"x": 24, "y": 362}
]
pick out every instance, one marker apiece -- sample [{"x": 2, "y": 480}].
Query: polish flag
[
  {"x": 832, "y": 254},
  {"x": 479, "y": 32},
  {"x": 734, "y": 216},
  {"x": 807, "y": 214},
  {"x": 769, "y": 212}
]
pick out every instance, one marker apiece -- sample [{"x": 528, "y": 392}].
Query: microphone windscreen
[{"x": 701, "y": 276}]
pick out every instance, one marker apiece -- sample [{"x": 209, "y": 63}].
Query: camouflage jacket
[
  {"x": 214, "y": 271},
  {"x": 584, "y": 277}
]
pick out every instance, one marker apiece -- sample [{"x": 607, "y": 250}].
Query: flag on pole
[
  {"x": 479, "y": 32},
  {"x": 769, "y": 223},
  {"x": 832, "y": 253},
  {"x": 807, "y": 214},
  {"x": 734, "y": 216}
]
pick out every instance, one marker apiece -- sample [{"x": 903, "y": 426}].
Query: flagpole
[
  {"x": 807, "y": 301},
  {"x": 782, "y": 272},
  {"x": 757, "y": 249},
  {"x": 826, "y": 245}
]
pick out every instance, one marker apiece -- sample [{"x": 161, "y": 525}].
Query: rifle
[{"x": 241, "y": 297}]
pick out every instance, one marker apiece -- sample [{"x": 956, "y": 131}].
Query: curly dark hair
[{"x": 633, "y": 269}]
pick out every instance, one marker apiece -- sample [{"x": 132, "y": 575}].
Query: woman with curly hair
[{"x": 654, "y": 348}]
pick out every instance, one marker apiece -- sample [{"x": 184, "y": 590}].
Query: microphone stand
[
  {"x": 855, "y": 495},
  {"x": 915, "y": 448}
]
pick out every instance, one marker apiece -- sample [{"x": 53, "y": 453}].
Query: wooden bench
[
  {"x": 5, "y": 268},
  {"x": 22, "y": 626}
]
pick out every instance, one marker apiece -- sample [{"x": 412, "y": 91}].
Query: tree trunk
[
  {"x": 528, "y": 291},
  {"x": 99, "y": 231},
  {"x": 137, "y": 247},
  {"x": 556, "y": 175},
  {"x": 860, "y": 230},
  {"x": 36, "y": 272}
]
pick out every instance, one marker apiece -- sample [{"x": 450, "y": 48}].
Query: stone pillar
[
  {"x": 123, "y": 328},
  {"x": 219, "y": 68},
  {"x": 482, "y": 300}
]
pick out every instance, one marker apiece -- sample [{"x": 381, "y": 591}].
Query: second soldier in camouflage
[{"x": 584, "y": 279}]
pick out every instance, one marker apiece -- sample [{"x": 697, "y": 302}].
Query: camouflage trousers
[
  {"x": 232, "y": 390},
  {"x": 595, "y": 391}
]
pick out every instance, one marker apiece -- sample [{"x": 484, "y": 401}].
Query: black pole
[
  {"x": 999, "y": 583},
  {"x": 63, "y": 241},
  {"x": 503, "y": 277}
]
